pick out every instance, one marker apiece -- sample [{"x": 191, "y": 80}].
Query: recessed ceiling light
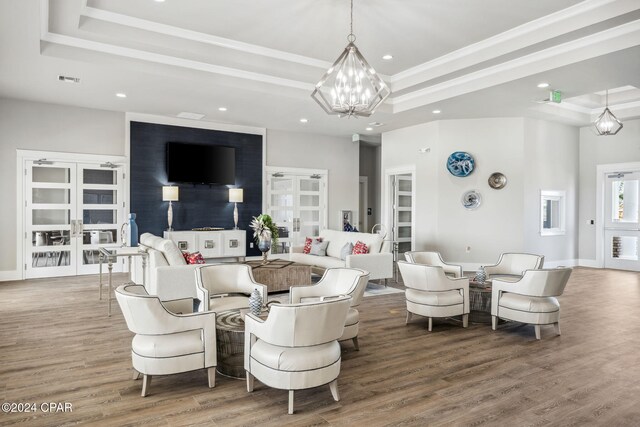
[
  {"x": 387, "y": 57},
  {"x": 436, "y": 111},
  {"x": 543, "y": 85},
  {"x": 303, "y": 120},
  {"x": 369, "y": 128},
  {"x": 222, "y": 109},
  {"x": 159, "y": 1},
  {"x": 121, "y": 95},
  {"x": 376, "y": 124}
]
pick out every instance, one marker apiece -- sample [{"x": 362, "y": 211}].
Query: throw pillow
[
  {"x": 319, "y": 247},
  {"x": 186, "y": 254},
  {"x": 347, "y": 249},
  {"x": 307, "y": 244},
  {"x": 360, "y": 248},
  {"x": 195, "y": 258}
]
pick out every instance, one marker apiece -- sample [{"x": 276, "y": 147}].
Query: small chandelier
[
  {"x": 607, "y": 123},
  {"x": 350, "y": 87}
]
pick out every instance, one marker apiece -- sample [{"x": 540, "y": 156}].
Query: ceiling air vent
[
  {"x": 69, "y": 79},
  {"x": 192, "y": 116}
]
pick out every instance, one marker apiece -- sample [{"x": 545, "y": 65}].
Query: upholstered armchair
[
  {"x": 296, "y": 347},
  {"x": 433, "y": 259},
  {"x": 222, "y": 287},
  {"x": 513, "y": 265},
  {"x": 166, "y": 343},
  {"x": 431, "y": 293},
  {"x": 531, "y": 299},
  {"x": 335, "y": 282}
]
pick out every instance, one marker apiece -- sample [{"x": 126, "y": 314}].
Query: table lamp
[
  {"x": 235, "y": 197},
  {"x": 170, "y": 194}
]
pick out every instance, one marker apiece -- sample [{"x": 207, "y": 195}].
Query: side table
[
  {"x": 480, "y": 302},
  {"x": 110, "y": 255}
]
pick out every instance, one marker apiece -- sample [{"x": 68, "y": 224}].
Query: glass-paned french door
[
  {"x": 401, "y": 230},
  {"x": 622, "y": 220},
  {"x": 297, "y": 204},
  {"x": 71, "y": 209}
]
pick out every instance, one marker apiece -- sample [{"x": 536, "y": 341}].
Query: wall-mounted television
[{"x": 201, "y": 164}]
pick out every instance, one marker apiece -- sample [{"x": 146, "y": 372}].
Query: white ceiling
[{"x": 261, "y": 59}]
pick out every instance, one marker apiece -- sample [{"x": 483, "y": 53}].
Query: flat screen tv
[{"x": 201, "y": 164}]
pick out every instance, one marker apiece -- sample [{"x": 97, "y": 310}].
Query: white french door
[
  {"x": 402, "y": 211},
  {"x": 297, "y": 204},
  {"x": 71, "y": 209},
  {"x": 622, "y": 220}
]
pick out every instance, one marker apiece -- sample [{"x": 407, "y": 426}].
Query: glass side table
[{"x": 110, "y": 256}]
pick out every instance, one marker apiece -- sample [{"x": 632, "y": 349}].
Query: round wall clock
[
  {"x": 471, "y": 199},
  {"x": 497, "y": 180},
  {"x": 460, "y": 164}
]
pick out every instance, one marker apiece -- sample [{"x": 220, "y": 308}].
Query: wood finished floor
[{"x": 57, "y": 345}]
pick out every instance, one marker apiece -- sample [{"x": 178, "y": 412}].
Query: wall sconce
[
  {"x": 235, "y": 197},
  {"x": 170, "y": 194}
]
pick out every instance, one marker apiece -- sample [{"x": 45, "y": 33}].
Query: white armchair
[
  {"x": 222, "y": 287},
  {"x": 431, "y": 293},
  {"x": 335, "y": 282},
  {"x": 531, "y": 299},
  {"x": 166, "y": 343},
  {"x": 296, "y": 347},
  {"x": 169, "y": 276},
  {"x": 514, "y": 265},
  {"x": 433, "y": 259}
]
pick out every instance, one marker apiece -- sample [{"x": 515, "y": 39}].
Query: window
[{"x": 552, "y": 213}]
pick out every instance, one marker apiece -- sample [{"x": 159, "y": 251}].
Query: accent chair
[
  {"x": 434, "y": 259},
  {"x": 222, "y": 287}
]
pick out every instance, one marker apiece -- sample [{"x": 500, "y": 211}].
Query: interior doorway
[
  {"x": 400, "y": 213},
  {"x": 363, "y": 199}
]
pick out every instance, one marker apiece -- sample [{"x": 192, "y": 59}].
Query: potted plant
[{"x": 265, "y": 233}]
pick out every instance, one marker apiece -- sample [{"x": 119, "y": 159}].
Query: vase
[
  {"x": 255, "y": 303},
  {"x": 133, "y": 230},
  {"x": 264, "y": 245},
  {"x": 481, "y": 275}
]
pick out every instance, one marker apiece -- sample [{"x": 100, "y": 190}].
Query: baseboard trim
[
  {"x": 10, "y": 275},
  {"x": 588, "y": 263}
]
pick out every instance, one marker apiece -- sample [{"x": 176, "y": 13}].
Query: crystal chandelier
[
  {"x": 607, "y": 123},
  {"x": 350, "y": 87}
]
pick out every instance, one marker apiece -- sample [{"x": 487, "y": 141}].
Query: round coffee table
[
  {"x": 230, "y": 343},
  {"x": 480, "y": 302}
]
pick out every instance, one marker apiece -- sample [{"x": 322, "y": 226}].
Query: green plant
[{"x": 264, "y": 227}]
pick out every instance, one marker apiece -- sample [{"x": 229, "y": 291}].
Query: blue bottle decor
[
  {"x": 255, "y": 303},
  {"x": 133, "y": 230},
  {"x": 481, "y": 275}
]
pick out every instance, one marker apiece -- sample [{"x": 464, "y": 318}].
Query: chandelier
[
  {"x": 350, "y": 87},
  {"x": 607, "y": 123}
]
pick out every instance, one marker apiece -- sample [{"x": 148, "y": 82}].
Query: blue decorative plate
[{"x": 460, "y": 164}]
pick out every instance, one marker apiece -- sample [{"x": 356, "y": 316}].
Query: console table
[
  {"x": 110, "y": 255},
  {"x": 211, "y": 244}
]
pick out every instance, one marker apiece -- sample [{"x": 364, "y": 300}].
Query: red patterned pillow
[
  {"x": 307, "y": 244},
  {"x": 195, "y": 258},
  {"x": 185, "y": 254},
  {"x": 360, "y": 248}
]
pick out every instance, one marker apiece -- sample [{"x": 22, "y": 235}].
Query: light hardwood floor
[{"x": 57, "y": 345}]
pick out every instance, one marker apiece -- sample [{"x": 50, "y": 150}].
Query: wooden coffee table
[{"x": 279, "y": 274}]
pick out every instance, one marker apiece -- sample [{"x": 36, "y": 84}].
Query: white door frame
[
  {"x": 24, "y": 155},
  {"x": 387, "y": 205},
  {"x": 601, "y": 171}
]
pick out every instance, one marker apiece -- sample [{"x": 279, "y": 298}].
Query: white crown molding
[
  {"x": 607, "y": 41},
  {"x": 172, "y": 60},
  {"x": 199, "y": 124},
  {"x": 200, "y": 37},
  {"x": 581, "y": 15}
]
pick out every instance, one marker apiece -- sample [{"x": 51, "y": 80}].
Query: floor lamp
[
  {"x": 235, "y": 197},
  {"x": 170, "y": 194}
]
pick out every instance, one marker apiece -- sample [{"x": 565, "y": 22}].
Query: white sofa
[
  {"x": 378, "y": 262},
  {"x": 168, "y": 275}
]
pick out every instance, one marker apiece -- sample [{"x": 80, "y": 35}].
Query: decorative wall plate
[
  {"x": 460, "y": 163},
  {"x": 497, "y": 180},
  {"x": 471, "y": 199}
]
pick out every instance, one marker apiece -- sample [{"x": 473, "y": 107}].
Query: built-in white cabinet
[{"x": 211, "y": 244}]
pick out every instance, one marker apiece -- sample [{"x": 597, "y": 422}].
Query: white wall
[
  {"x": 551, "y": 153},
  {"x": 47, "y": 127},
  {"x": 338, "y": 155},
  {"x": 600, "y": 150},
  {"x": 508, "y": 218}
]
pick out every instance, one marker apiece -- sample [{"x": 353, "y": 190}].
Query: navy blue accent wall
[{"x": 199, "y": 205}]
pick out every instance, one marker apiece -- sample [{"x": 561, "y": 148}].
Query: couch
[
  {"x": 168, "y": 274},
  {"x": 378, "y": 262}
]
